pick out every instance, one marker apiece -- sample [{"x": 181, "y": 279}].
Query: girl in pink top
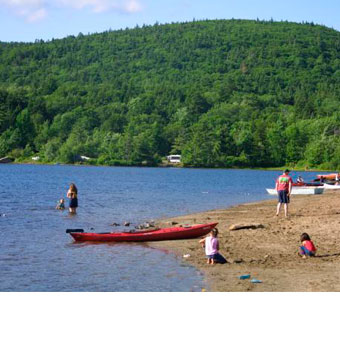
[
  {"x": 211, "y": 245},
  {"x": 307, "y": 248}
]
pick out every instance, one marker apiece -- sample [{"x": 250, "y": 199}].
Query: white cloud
[
  {"x": 35, "y": 10},
  {"x": 23, "y": 3},
  {"x": 31, "y": 10},
  {"x": 128, "y": 6}
]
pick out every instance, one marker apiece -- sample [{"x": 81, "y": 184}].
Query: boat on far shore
[
  {"x": 301, "y": 191},
  {"x": 329, "y": 177}
]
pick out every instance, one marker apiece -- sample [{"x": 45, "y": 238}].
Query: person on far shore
[
  {"x": 211, "y": 245},
  {"x": 300, "y": 180},
  {"x": 283, "y": 188},
  {"x": 61, "y": 204},
  {"x": 72, "y": 194},
  {"x": 307, "y": 248}
]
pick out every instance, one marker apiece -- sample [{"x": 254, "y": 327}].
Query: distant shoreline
[{"x": 171, "y": 166}]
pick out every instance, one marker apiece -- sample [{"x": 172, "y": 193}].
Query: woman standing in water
[{"x": 72, "y": 194}]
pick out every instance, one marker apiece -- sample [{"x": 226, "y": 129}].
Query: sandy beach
[{"x": 269, "y": 254}]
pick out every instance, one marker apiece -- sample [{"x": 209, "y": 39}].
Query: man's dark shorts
[{"x": 283, "y": 196}]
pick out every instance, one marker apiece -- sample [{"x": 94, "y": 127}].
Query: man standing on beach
[{"x": 283, "y": 188}]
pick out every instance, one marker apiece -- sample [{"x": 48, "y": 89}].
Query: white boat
[
  {"x": 331, "y": 186},
  {"x": 300, "y": 191}
]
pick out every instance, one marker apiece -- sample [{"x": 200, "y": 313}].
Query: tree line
[{"x": 222, "y": 93}]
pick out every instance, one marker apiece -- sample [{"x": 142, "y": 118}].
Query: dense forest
[{"x": 222, "y": 93}]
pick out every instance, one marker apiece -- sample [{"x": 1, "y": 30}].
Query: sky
[{"x": 29, "y": 20}]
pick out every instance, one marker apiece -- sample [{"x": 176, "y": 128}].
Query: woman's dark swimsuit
[{"x": 74, "y": 202}]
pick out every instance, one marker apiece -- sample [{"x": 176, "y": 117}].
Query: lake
[{"x": 37, "y": 255}]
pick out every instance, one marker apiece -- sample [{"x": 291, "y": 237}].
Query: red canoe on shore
[
  {"x": 173, "y": 233},
  {"x": 303, "y": 184}
]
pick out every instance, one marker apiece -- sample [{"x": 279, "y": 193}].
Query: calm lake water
[{"x": 37, "y": 255}]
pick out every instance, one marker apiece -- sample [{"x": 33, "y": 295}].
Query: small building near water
[{"x": 174, "y": 158}]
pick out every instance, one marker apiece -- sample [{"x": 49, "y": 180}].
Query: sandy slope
[{"x": 270, "y": 254}]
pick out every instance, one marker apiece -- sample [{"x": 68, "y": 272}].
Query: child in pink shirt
[
  {"x": 211, "y": 245},
  {"x": 307, "y": 248}
]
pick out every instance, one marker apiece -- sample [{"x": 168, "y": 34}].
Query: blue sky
[{"x": 27, "y": 20}]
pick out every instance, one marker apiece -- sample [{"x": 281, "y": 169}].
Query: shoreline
[
  {"x": 302, "y": 169},
  {"x": 269, "y": 254}
]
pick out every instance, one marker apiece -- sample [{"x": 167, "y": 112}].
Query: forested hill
[{"x": 221, "y": 93}]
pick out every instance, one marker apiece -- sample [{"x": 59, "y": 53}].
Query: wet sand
[{"x": 269, "y": 254}]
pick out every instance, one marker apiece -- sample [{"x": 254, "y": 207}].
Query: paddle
[{"x": 74, "y": 231}]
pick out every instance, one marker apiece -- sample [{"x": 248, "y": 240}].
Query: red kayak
[
  {"x": 303, "y": 184},
  {"x": 173, "y": 233}
]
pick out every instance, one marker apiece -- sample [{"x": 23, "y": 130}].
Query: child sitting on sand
[
  {"x": 307, "y": 248},
  {"x": 211, "y": 245},
  {"x": 61, "y": 204}
]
